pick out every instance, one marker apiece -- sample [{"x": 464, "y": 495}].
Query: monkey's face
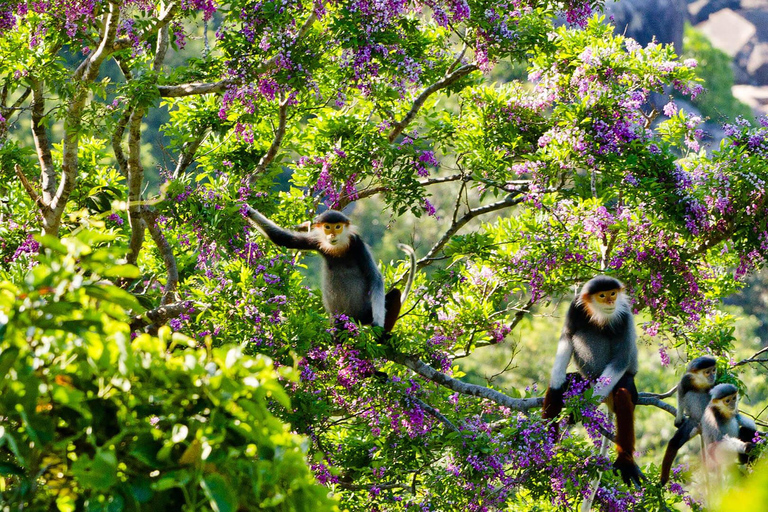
[
  {"x": 726, "y": 405},
  {"x": 705, "y": 378},
  {"x": 605, "y": 301},
  {"x": 334, "y": 237}
]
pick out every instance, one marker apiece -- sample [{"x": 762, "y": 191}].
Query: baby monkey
[
  {"x": 723, "y": 427},
  {"x": 692, "y": 400}
]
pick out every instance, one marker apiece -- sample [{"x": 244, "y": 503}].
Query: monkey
[
  {"x": 599, "y": 332},
  {"x": 351, "y": 283},
  {"x": 722, "y": 426},
  {"x": 692, "y": 399}
]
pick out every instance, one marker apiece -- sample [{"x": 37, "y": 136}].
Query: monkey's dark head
[
  {"x": 704, "y": 369},
  {"x": 603, "y": 299},
  {"x": 725, "y": 399},
  {"x": 334, "y": 232}
]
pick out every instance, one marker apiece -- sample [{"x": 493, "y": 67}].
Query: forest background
[{"x": 518, "y": 158}]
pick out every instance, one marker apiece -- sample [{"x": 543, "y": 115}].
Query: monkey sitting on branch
[
  {"x": 692, "y": 400},
  {"x": 352, "y": 283},
  {"x": 599, "y": 333}
]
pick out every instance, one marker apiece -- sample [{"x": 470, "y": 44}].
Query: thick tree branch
[
  {"x": 42, "y": 144},
  {"x": 429, "y": 373},
  {"x": 398, "y": 128},
  {"x": 135, "y": 181},
  {"x": 190, "y": 89},
  {"x": 117, "y": 141},
  {"x": 650, "y": 399},
  {"x": 85, "y": 74},
  {"x": 518, "y": 404}
]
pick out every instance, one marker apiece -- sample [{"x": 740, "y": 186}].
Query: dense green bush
[{"x": 92, "y": 420}]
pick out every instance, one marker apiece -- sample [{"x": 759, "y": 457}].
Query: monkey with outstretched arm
[
  {"x": 599, "y": 334},
  {"x": 722, "y": 426},
  {"x": 352, "y": 283}
]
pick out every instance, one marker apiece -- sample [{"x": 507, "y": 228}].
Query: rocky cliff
[{"x": 737, "y": 27}]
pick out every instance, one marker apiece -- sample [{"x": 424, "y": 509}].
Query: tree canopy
[{"x": 197, "y": 368}]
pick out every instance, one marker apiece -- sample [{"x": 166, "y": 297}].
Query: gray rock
[
  {"x": 755, "y": 97},
  {"x": 700, "y": 10},
  {"x": 729, "y": 31},
  {"x": 757, "y": 65},
  {"x": 644, "y": 20},
  {"x": 754, "y": 4}
]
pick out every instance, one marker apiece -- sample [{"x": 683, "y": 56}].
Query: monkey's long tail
[{"x": 407, "y": 249}]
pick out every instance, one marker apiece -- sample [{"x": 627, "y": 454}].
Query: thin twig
[
  {"x": 753, "y": 358},
  {"x": 28, "y": 187},
  {"x": 398, "y": 128}
]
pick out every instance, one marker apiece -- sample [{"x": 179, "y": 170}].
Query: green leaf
[
  {"x": 10, "y": 469},
  {"x": 7, "y": 357},
  {"x": 220, "y": 494},
  {"x": 99, "y": 473},
  {"x": 115, "y": 295}
]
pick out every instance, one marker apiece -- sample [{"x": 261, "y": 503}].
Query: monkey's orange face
[
  {"x": 727, "y": 404},
  {"x": 333, "y": 232},
  {"x": 334, "y": 238},
  {"x": 607, "y": 299},
  {"x": 705, "y": 378}
]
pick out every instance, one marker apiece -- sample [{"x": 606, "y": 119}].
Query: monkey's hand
[
  {"x": 679, "y": 421},
  {"x": 626, "y": 467}
]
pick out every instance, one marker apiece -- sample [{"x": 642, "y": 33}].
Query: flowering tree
[{"x": 291, "y": 105}]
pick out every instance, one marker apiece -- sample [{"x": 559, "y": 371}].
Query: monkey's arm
[
  {"x": 562, "y": 358},
  {"x": 280, "y": 236},
  {"x": 684, "y": 385},
  {"x": 746, "y": 422},
  {"x": 375, "y": 284}
]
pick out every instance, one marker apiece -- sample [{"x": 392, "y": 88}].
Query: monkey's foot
[{"x": 629, "y": 471}]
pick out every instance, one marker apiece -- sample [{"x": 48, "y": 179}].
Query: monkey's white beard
[
  {"x": 602, "y": 315},
  {"x": 337, "y": 249}
]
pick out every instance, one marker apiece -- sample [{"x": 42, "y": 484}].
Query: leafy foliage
[
  {"x": 529, "y": 188},
  {"x": 95, "y": 420}
]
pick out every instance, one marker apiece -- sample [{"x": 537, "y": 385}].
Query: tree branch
[
  {"x": 398, "y": 128},
  {"x": 48, "y": 179},
  {"x": 135, "y": 181},
  {"x": 85, "y": 74},
  {"x": 190, "y": 89},
  {"x": 518, "y": 404},
  {"x": 158, "y": 24},
  {"x": 187, "y": 156},
  {"x": 753, "y": 358},
  {"x": 172, "y": 279},
  {"x": 362, "y": 194},
  {"x": 275, "y": 146},
  {"x": 434, "y": 412},
  {"x": 160, "y": 315},
  {"x": 28, "y": 187},
  {"x": 429, "y": 373},
  {"x": 510, "y": 200}
]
